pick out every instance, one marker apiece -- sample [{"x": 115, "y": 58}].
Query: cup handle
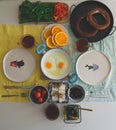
[
  {"x": 40, "y": 49},
  {"x": 73, "y": 78}
]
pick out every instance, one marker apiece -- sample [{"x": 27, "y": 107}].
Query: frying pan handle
[
  {"x": 113, "y": 30},
  {"x": 40, "y": 49},
  {"x": 73, "y": 78},
  {"x": 71, "y": 8}
]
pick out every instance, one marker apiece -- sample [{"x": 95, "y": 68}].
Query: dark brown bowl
[
  {"x": 52, "y": 112},
  {"x": 76, "y": 93}
]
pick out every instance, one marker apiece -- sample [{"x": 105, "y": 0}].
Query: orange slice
[
  {"x": 53, "y": 40},
  {"x": 56, "y": 29},
  {"x": 49, "y": 42},
  {"x": 61, "y": 38},
  {"x": 47, "y": 33}
]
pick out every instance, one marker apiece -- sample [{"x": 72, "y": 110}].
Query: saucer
[
  {"x": 93, "y": 67},
  {"x": 19, "y": 64}
]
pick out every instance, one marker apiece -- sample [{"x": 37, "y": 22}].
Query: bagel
[
  {"x": 94, "y": 22},
  {"x": 83, "y": 33}
]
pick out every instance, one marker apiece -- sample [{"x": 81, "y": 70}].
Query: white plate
[
  {"x": 93, "y": 67},
  {"x": 50, "y": 26},
  {"x": 19, "y": 64},
  {"x": 55, "y": 56}
]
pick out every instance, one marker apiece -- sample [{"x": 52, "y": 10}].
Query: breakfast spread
[{"x": 56, "y": 64}]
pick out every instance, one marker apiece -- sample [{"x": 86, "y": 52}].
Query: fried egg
[{"x": 56, "y": 64}]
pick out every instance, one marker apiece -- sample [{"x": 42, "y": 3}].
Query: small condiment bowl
[
  {"x": 38, "y": 95},
  {"x": 82, "y": 45},
  {"x": 52, "y": 112},
  {"x": 27, "y": 41},
  {"x": 76, "y": 93}
]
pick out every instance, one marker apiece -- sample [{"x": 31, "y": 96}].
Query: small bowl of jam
[{"x": 76, "y": 93}]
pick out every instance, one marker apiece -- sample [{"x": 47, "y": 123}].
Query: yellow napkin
[{"x": 10, "y": 36}]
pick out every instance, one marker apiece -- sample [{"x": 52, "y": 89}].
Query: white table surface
[{"x": 27, "y": 116}]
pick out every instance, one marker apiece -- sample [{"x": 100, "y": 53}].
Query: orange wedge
[
  {"x": 47, "y": 33},
  {"x": 56, "y": 29},
  {"x": 61, "y": 38},
  {"x": 49, "y": 42}
]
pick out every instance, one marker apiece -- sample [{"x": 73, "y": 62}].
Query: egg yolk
[
  {"x": 48, "y": 65},
  {"x": 61, "y": 65}
]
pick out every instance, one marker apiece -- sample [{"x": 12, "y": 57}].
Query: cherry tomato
[
  {"x": 40, "y": 99},
  {"x": 38, "y": 89},
  {"x": 37, "y": 94},
  {"x": 44, "y": 92}
]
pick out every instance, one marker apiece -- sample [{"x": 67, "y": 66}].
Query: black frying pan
[{"x": 82, "y": 9}]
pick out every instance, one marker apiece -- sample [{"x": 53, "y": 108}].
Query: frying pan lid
[{"x": 82, "y": 9}]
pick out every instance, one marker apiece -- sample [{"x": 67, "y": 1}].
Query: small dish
[
  {"x": 56, "y": 64},
  {"x": 93, "y": 67},
  {"x": 19, "y": 64},
  {"x": 52, "y": 112},
  {"x": 49, "y": 27},
  {"x": 58, "y": 92},
  {"x": 38, "y": 95},
  {"x": 27, "y": 41},
  {"x": 76, "y": 93},
  {"x": 72, "y": 114}
]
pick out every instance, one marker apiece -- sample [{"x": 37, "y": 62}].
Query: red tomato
[
  {"x": 38, "y": 89},
  {"x": 44, "y": 92},
  {"x": 60, "y": 11},
  {"x": 40, "y": 99},
  {"x": 37, "y": 94}
]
